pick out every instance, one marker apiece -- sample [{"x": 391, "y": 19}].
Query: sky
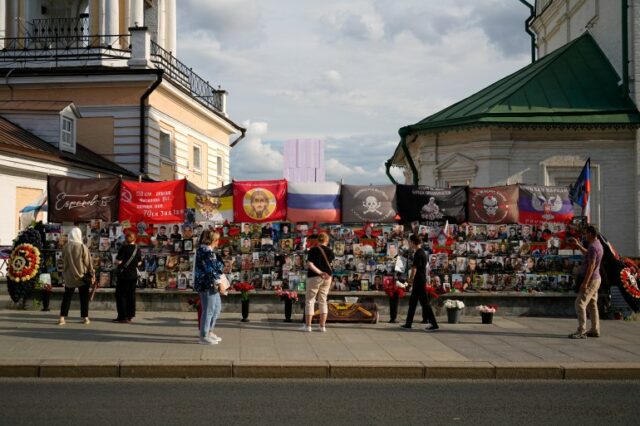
[{"x": 350, "y": 73}]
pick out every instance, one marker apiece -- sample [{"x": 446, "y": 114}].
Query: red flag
[
  {"x": 259, "y": 200},
  {"x": 153, "y": 202}
]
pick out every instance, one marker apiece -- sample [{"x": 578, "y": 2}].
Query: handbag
[
  {"x": 133, "y": 255},
  {"x": 87, "y": 277},
  {"x": 326, "y": 259},
  {"x": 223, "y": 284}
]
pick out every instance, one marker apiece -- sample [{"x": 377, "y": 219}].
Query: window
[
  {"x": 197, "y": 159},
  {"x": 165, "y": 145},
  {"x": 67, "y": 134},
  {"x": 219, "y": 165}
]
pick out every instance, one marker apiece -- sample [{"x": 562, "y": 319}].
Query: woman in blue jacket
[{"x": 208, "y": 270}]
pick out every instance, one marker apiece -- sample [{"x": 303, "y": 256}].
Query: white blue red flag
[{"x": 313, "y": 202}]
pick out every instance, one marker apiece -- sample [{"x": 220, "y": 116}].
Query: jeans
[
  {"x": 84, "y": 301},
  {"x": 211, "y": 308}
]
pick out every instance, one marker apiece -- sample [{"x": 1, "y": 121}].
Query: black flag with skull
[
  {"x": 373, "y": 203},
  {"x": 435, "y": 205}
]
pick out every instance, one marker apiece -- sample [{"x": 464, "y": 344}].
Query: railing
[
  {"x": 60, "y": 50},
  {"x": 63, "y": 49},
  {"x": 59, "y": 27},
  {"x": 179, "y": 73}
]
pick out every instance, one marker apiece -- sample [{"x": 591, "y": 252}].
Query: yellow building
[{"x": 140, "y": 107}]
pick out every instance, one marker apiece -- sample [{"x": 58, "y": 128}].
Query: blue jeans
[{"x": 211, "y": 307}]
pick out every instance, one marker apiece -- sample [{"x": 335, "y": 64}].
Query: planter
[
  {"x": 245, "y": 310},
  {"x": 393, "y": 308},
  {"x": 453, "y": 315},
  {"x": 288, "y": 307},
  {"x": 487, "y": 317}
]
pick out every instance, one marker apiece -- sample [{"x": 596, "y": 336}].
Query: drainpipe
[
  {"x": 387, "y": 165},
  {"x": 243, "y": 133},
  {"x": 625, "y": 46},
  {"x": 403, "y": 144},
  {"x": 143, "y": 118},
  {"x": 531, "y": 17}
]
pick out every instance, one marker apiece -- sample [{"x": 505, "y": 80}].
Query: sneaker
[
  {"x": 306, "y": 329},
  {"x": 405, "y": 326},
  {"x": 592, "y": 334},
  {"x": 86, "y": 321},
  {"x": 432, "y": 328},
  {"x": 61, "y": 321},
  {"x": 215, "y": 337},
  {"x": 207, "y": 341},
  {"x": 577, "y": 335},
  {"x": 323, "y": 329}
]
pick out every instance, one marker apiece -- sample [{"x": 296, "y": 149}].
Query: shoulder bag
[
  {"x": 326, "y": 259},
  {"x": 87, "y": 277},
  {"x": 223, "y": 284},
  {"x": 133, "y": 256}
]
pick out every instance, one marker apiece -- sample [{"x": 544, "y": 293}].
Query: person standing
[
  {"x": 318, "y": 281},
  {"x": 418, "y": 280},
  {"x": 128, "y": 259},
  {"x": 208, "y": 269},
  {"x": 587, "y": 297},
  {"x": 76, "y": 263}
]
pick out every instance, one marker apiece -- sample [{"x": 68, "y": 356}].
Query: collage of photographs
[{"x": 467, "y": 257}]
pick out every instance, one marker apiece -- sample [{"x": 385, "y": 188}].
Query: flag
[
  {"x": 259, "y": 200},
  {"x": 498, "y": 204},
  {"x": 368, "y": 203},
  {"x": 540, "y": 204},
  {"x": 580, "y": 192},
  {"x": 313, "y": 202},
  {"x": 153, "y": 202},
  {"x": 80, "y": 200},
  {"x": 213, "y": 205},
  {"x": 430, "y": 204}
]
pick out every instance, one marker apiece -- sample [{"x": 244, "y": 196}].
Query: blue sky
[{"x": 348, "y": 72}]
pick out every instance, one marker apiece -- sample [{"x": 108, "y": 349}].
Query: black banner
[
  {"x": 80, "y": 200},
  {"x": 428, "y": 204}
]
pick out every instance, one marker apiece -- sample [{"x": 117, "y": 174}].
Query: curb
[{"x": 321, "y": 370}]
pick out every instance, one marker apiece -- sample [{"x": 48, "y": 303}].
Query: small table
[{"x": 350, "y": 312}]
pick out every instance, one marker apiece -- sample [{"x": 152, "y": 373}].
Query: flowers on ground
[
  {"x": 287, "y": 294},
  {"x": 489, "y": 309},
  {"x": 244, "y": 288},
  {"x": 454, "y": 304}
]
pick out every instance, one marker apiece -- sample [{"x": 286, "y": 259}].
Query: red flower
[
  {"x": 431, "y": 292},
  {"x": 243, "y": 287},
  {"x": 393, "y": 290}
]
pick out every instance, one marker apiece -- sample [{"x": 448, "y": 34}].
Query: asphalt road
[{"x": 330, "y": 402}]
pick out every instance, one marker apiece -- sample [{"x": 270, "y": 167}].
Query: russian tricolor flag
[{"x": 313, "y": 202}]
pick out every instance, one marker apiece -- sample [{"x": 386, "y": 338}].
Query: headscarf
[{"x": 75, "y": 236}]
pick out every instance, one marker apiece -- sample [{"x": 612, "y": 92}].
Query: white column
[
  {"x": 112, "y": 20},
  {"x": 170, "y": 26},
  {"x": 160, "y": 35},
  {"x": 3, "y": 22},
  {"x": 12, "y": 18},
  {"x": 137, "y": 13}
]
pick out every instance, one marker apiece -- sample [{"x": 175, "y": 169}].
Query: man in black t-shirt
[
  {"x": 418, "y": 279},
  {"x": 318, "y": 284}
]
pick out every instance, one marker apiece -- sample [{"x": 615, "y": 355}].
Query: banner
[
  {"x": 313, "y": 202},
  {"x": 539, "y": 204},
  {"x": 428, "y": 204},
  {"x": 80, "y": 200},
  {"x": 213, "y": 205},
  {"x": 260, "y": 200},
  {"x": 153, "y": 202},
  {"x": 371, "y": 203},
  {"x": 498, "y": 204}
]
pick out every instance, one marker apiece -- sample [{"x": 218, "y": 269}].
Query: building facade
[{"x": 540, "y": 124}]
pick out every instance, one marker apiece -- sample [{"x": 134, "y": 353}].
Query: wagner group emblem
[
  {"x": 259, "y": 203},
  {"x": 493, "y": 205}
]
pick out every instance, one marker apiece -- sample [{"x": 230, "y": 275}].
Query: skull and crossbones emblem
[
  {"x": 490, "y": 205},
  {"x": 371, "y": 205}
]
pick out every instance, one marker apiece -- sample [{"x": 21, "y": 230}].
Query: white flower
[
  {"x": 486, "y": 309},
  {"x": 454, "y": 304}
]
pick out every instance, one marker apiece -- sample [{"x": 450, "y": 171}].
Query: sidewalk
[{"x": 164, "y": 344}]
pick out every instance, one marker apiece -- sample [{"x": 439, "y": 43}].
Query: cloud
[
  {"x": 254, "y": 158},
  {"x": 362, "y": 23}
]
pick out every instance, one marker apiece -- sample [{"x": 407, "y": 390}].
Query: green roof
[{"x": 574, "y": 85}]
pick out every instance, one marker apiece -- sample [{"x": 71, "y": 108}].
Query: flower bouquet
[
  {"x": 487, "y": 311},
  {"x": 288, "y": 297},
  {"x": 395, "y": 290},
  {"x": 244, "y": 288},
  {"x": 454, "y": 308}
]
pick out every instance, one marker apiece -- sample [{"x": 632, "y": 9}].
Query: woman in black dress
[{"x": 128, "y": 260}]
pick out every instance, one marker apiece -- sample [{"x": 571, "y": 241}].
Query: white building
[{"x": 540, "y": 124}]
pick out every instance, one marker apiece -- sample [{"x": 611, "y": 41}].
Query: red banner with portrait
[
  {"x": 153, "y": 202},
  {"x": 259, "y": 200}
]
